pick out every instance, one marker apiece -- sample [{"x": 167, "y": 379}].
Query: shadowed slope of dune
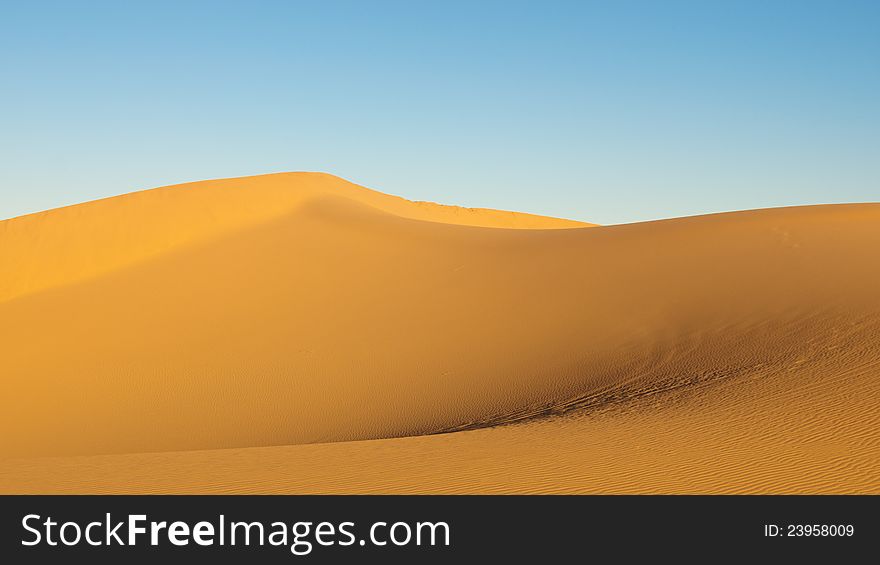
[
  {"x": 798, "y": 426},
  {"x": 666, "y": 356}
]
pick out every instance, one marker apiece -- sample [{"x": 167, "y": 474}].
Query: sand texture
[{"x": 298, "y": 333}]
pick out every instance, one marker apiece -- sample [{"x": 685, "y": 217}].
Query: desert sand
[{"x": 297, "y": 333}]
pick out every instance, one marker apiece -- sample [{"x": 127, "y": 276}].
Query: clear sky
[{"x": 605, "y": 111}]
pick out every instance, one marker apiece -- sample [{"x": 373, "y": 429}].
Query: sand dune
[
  {"x": 67, "y": 245},
  {"x": 196, "y": 338}
]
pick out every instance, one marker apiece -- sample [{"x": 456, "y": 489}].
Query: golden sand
[{"x": 298, "y": 333}]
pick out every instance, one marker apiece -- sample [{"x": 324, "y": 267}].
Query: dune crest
[
  {"x": 71, "y": 244},
  {"x": 287, "y": 310}
]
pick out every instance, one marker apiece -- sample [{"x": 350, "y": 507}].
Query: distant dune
[{"x": 299, "y": 333}]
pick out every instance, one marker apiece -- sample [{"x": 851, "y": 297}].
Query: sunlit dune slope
[
  {"x": 66, "y": 245},
  {"x": 299, "y": 309}
]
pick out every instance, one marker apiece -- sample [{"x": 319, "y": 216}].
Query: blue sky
[{"x": 596, "y": 110}]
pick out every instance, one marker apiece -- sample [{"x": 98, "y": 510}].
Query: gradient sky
[{"x": 605, "y": 111}]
